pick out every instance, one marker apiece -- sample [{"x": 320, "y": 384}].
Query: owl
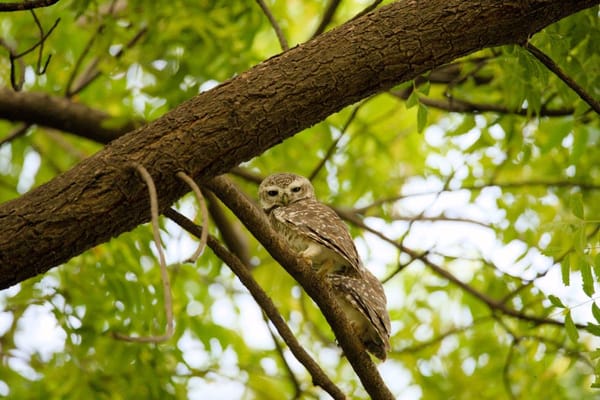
[{"x": 321, "y": 238}]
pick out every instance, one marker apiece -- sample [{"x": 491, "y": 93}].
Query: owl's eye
[
  {"x": 272, "y": 193},
  {"x": 296, "y": 189}
]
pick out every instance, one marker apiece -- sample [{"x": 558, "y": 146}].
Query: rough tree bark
[{"x": 102, "y": 196}]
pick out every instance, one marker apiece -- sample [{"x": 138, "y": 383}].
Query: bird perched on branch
[{"x": 321, "y": 238}]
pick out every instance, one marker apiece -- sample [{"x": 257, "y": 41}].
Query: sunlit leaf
[{"x": 571, "y": 328}]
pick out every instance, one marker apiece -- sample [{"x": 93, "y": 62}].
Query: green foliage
[{"x": 506, "y": 200}]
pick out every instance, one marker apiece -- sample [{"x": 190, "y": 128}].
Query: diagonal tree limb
[{"x": 319, "y": 377}]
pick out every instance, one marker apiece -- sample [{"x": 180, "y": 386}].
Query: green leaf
[
  {"x": 556, "y": 301},
  {"x": 593, "y": 329},
  {"x": 576, "y": 205},
  {"x": 565, "y": 271},
  {"x": 421, "y": 118},
  {"x": 596, "y": 311},
  {"x": 586, "y": 275},
  {"x": 570, "y": 328}
]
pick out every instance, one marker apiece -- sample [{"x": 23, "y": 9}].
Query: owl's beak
[{"x": 284, "y": 199}]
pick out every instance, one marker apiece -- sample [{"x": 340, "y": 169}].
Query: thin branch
[
  {"x": 286, "y": 365},
  {"x": 43, "y": 37},
  {"x": 26, "y": 5},
  {"x": 327, "y": 17},
  {"x": 200, "y": 199},
  {"x": 167, "y": 299},
  {"x": 257, "y": 223},
  {"x": 280, "y": 36},
  {"x": 503, "y": 185},
  {"x": 319, "y": 377},
  {"x": 437, "y": 339},
  {"x": 334, "y": 144},
  {"x": 17, "y": 132},
  {"x": 558, "y": 71},
  {"x": 235, "y": 240},
  {"x": 92, "y": 72},
  {"x": 15, "y": 83},
  {"x": 440, "y": 218},
  {"x": 41, "y": 70}
]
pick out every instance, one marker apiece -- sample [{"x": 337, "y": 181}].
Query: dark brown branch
[
  {"x": 558, "y": 71},
  {"x": 26, "y": 5},
  {"x": 43, "y": 109},
  {"x": 15, "y": 82},
  {"x": 317, "y": 289},
  {"x": 319, "y": 377}
]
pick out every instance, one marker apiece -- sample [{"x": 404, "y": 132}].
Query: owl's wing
[{"x": 320, "y": 223}]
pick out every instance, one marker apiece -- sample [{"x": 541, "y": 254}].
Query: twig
[
  {"x": 168, "y": 301},
  {"x": 262, "y": 299},
  {"x": 333, "y": 146},
  {"x": 327, "y": 17},
  {"x": 280, "y": 36},
  {"x": 288, "y": 368},
  {"x": 318, "y": 290},
  {"x": 552, "y": 66},
  {"x": 26, "y": 5},
  {"x": 40, "y": 70},
  {"x": 200, "y": 199},
  {"x": 235, "y": 240},
  {"x": 15, "y": 83},
  {"x": 19, "y": 131},
  {"x": 437, "y": 339}
]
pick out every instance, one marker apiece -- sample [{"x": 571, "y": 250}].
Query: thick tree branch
[
  {"x": 216, "y": 130},
  {"x": 43, "y": 109},
  {"x": 317, "y": 289},
  {"x": 320, "y": 378},
  {"x": 26, "y": 5}
]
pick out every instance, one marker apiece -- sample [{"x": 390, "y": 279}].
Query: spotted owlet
[{"x": 322, "y": 239}]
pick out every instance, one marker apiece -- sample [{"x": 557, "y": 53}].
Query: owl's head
[{"x": 282, "y": 189}]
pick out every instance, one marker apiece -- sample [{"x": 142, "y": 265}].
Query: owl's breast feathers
[{"x": 319, "y": 223}]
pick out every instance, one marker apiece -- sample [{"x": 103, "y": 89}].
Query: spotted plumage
[{"x": 320, "y": 237}]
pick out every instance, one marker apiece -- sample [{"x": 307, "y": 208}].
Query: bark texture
[{"x": 102, "y": 196}]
